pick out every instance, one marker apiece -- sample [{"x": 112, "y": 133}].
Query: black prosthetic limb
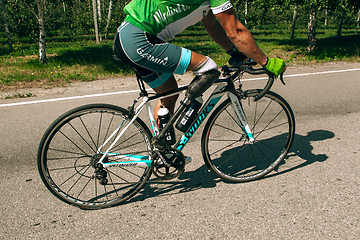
[{"x": 201, "y": 83}]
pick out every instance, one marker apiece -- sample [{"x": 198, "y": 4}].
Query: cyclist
[{"x": 141, "y": 41}]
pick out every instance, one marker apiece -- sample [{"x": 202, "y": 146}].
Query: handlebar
[{"x": 248, "y": 68}]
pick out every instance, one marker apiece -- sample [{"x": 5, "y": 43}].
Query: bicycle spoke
[
  {"x": 227, "y": 146},
  {"x": 99, "y": 131},
  {"x": 82, "y": 190},
  {"x": 136, "y": 175},
  {"x": 86, "y": 129},
  {"x": 230, "y": 157},
  {"x": 256, "y": 107},
  {"x": 73, "y": 142},
  {"x": 81, "y": 136},
  {"x": 108, "y": 128},
  {"x": 126, "y": 140},
  {"x": 270, "y": 122},
  {"x": 226, "y": 128},
  {"x": 75, "y": 174}
]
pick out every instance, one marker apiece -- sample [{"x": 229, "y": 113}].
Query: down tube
[{"x": 196, "y": 124}]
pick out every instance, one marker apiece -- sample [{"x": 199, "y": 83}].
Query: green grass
[
  {"x": 20, "y": 95},
  {"x": 82, "y": 59}
]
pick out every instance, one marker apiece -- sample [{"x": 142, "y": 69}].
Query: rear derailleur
[{"x": 100, "y": 174}]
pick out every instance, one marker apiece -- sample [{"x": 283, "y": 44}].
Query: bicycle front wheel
[
  {"x": 69, "y": 152},
  {"x": 226, "y": 149}
]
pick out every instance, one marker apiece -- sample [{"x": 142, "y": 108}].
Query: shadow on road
[
  {"x": 202, "y": 178},
  {"x": 302, "y": 148}
]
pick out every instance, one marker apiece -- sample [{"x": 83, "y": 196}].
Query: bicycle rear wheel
[
  {"x": 68, "y": 153},
  {"x": 226, "y": 148}
]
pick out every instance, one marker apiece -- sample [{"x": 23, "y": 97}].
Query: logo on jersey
[
  {"x": 170, "y": 11},
  {"x": 226, "y": 6},
  {"x": 151, "y": 58}
]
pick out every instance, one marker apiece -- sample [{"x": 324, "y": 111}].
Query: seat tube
[
  {"x": 240, "y": 116},
  {"x": 152, "y": 120}
]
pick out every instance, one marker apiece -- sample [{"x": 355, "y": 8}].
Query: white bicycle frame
[{"x": 145, "y": 161}]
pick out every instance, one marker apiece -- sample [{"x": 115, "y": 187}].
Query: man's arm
[
  {"x": 216, "y": 32},
  {"x": 240, "y": 36},
  {"x": 227, "y": 31}
]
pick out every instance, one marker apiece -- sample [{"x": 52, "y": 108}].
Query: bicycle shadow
[
  {"x": 203, "y": 178},
  {"x": 302, "y": 148}
]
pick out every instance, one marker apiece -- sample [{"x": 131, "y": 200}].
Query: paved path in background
[{"x": 314, "y": 195}]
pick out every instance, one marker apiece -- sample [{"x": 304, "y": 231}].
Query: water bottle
[
  {"x": 189, "y": 114},
  {"x": 164, "y": 116}
]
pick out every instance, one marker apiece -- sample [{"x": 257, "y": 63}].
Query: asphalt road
[{"x": 314, "y": 194}]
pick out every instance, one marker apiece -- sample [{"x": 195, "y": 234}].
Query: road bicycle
[{"x": 100, "y": 155}]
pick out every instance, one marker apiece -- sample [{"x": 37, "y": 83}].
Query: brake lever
[
  {"x": 281, "y": 74},
  {"x": 282, "y": 78}
]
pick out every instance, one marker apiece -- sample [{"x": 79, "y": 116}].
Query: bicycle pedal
[{"x": 187, "y": 160}]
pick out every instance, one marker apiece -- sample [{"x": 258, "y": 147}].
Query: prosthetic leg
[{"x": 206, "y": 75}]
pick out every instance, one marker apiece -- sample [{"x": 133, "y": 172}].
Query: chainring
[{"x": 168, "y": 164}]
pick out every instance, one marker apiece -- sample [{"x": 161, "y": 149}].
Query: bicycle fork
[{"x": 241, "y": 118}]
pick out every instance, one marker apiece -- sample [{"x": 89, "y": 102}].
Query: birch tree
[
  {"x": 41, "y": 21},
  {"x": 99, "y": 18},
  {"x": 3, "y": 11},
  {"x": 246, "y": 12},
  {"x": 40, "y": 16},
  {"x": 314, "y": 5},
  {"x": 95, "y": 22},
  {"x": 42, "y": 35},
  {"x": 326, "y": 15},
  {"x": 108, "y": 21},
  {"x": 293, "y": 22}
]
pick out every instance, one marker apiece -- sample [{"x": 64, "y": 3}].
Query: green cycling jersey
[{"x": 166, "y": 18}]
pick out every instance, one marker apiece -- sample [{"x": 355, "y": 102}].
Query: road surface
[{"x": 314, "y": 195}]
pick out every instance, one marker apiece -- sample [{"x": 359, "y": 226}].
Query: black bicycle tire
[
  {"x": 54, "y": 128},
  {"x": 214, "y": 116}
]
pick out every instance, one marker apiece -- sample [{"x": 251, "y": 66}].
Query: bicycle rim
[
  {"x": 67, "y": 157},
  {"x": 226, "y": 148}
]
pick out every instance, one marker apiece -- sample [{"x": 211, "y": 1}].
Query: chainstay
[{"x": 159, "y": 180}]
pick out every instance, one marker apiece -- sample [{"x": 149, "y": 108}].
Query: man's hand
[{"x": 275, "y": 66}]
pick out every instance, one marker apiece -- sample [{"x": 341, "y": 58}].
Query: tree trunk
[
  {"x": 42, "y": 35},
  {"x": 326, "y": 16},
  {"x": 108, "y": 21},
  {"x": 246, "y": 12},
  {"x": 6, "y": 25},
  {"x": 95, "y": 21},
  {"x": 358, "y": 19},
  {"x": 100, "y": 20},
  {"x": 311, "y": 29},
  {"x": 338, "y": 35},
  {"x": 293, "y": 22}
]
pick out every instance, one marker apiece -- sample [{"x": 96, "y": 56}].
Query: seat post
[{"x": 143, "y": 92}]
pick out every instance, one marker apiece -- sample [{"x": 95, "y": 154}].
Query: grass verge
[{"x": 84, "y": 60}]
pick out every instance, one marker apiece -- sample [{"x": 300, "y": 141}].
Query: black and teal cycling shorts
[{"x": 153, "y": 58}]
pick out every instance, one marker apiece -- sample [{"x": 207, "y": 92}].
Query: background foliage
[
  {"x": 75, "y": 17},
  {"x": 74, "y": 55}
]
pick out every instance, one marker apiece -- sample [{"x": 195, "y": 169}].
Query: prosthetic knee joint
[{"x": 206, "y": 75}]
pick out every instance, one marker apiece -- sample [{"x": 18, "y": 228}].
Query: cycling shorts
[{"x": 154, "y": 59}]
